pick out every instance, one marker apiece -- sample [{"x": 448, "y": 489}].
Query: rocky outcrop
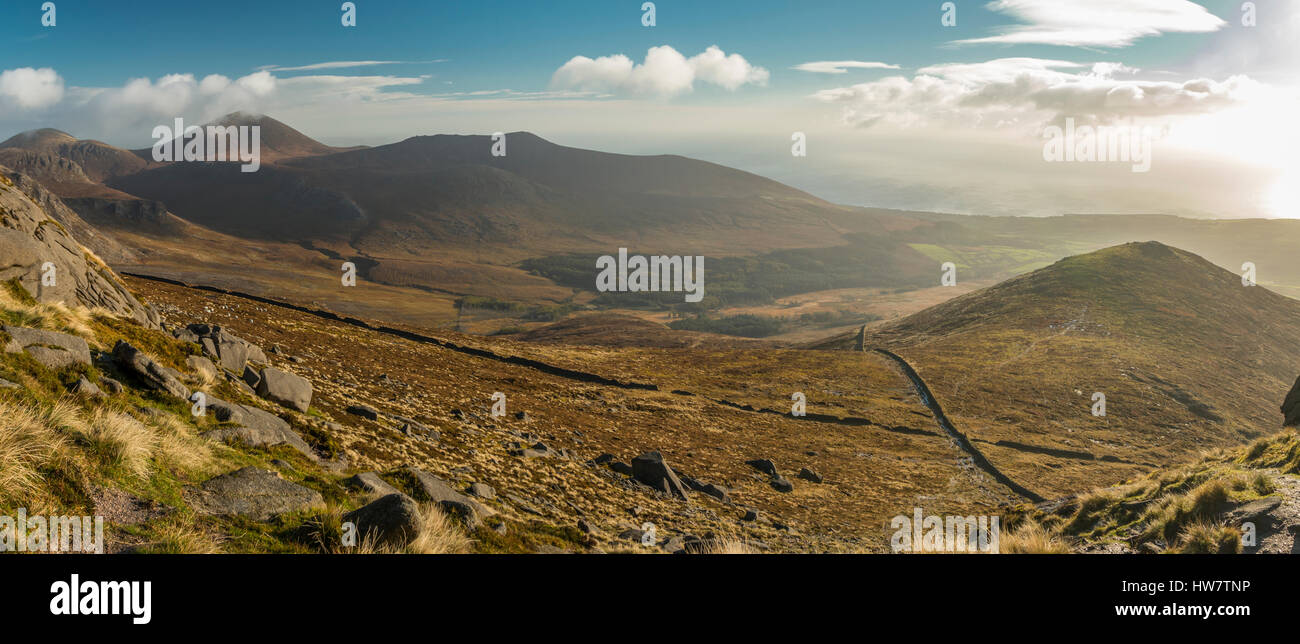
[
  {"x": 1291, "y": 407},
  {"x": 254, "y": 493},
  {"x": 33, "y": 184},
  {"x": 370, "y": 483},
  {"x": 439, "y": 491},
  {"x": 393, "y": 520},
  {"x": 41, "y": 254},
  {"x": 651, "y": 468},
  {"x": 228, "y": 350},
  {"x": 257, "y": 428},
  {"x": 54, "y": 350},
  {"x": 145, "y": 369},
  {"x": 285, "y": 388}
]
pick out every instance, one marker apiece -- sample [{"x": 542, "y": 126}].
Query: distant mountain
[
  {"x": 450, "y": 191},
  {"x": 98, "y": 161},
  {"x": 278, "y": 141}
]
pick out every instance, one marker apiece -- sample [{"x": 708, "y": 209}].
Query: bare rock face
[
  {"x": 1291, "y": 407},
  {"x": 39, "y": 252},
  {"x": 255, "y": 493},
  {"x": 145, "y": 369},
  {"x": 291, "y": 390},
  {"x": 54, "y": 350},
  {"x": 393, "y": 520}
]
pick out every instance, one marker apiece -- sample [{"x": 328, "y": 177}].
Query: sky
[{"x": 902, "y": 104}]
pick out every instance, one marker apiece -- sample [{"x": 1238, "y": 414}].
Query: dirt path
[
  {"x": 1280, "y": 535},
  {"x": 977, "y": 457}
]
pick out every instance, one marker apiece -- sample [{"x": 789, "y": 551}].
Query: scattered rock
[
  {"x": 86, "y": 388},
  {"x": 251, "y": 377},
  {"x": 763, "y": 465},
  {"x": 363, "y": 411},
  {"x": 291, "y": 390},
  {"x": 54, "y": 350},
  {"x": 371, "y": 483},
  {"x": 781, "y": 484},
  {"x": 112, "y": 387},
  {"x": 621, "y": 468},
  {"x": 255, "y": 493},
  {"x": 203, "y": 367},
  {"x": 153, "y": 375},
  {"x": 482, "y": 491},
  {"x": 5, "y": 384},
  {"x": 392, "y": 520},
  {"x": 230, "y": 351},
  {"x": 464, "y": 512},
  {"x": 750, "y": 515},
  {"x": 716, "y": 491},
  {"x": 809, "y": 475},
  {"x": 651, "y": 469},
  {"x": 438, "y": 490}
]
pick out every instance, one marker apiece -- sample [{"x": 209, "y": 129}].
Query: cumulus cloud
[
  {"x": 1027, "y": 92},
  {"x": 840, "y": 66},
  {"x": 27, "y": 88},
  {"x": 664, "y": 73},
  {"x": 1102, "y": 23}
]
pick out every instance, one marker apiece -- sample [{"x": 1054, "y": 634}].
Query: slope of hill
[{"x": 1186, "y": 357}]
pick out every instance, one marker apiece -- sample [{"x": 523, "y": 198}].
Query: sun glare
[{"x": 1283, "y": 200}]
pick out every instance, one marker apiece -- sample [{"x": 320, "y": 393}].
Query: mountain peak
[
  {"x": 279, "y": 141},
  {"x": 38, "y": 139}
]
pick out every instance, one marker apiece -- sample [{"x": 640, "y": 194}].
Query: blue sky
[
  {"x": 502, "y": 44},
  {"x": 950, "y": 124}
]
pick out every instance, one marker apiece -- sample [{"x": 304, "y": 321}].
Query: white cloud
[
  {"x": 664, "y": 73},
  {"x": 1103, "y": 23},
  {"x": 1026, "y": 92},
  {"x": 840, "y": 66},
  {"x": 346, "y": 64},
  {"x": 28, "y": 88}
]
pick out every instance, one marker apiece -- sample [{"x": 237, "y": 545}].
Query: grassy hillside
[{"x": 1187, "y": 357}]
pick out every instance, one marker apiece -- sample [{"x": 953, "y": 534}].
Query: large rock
[
  {"x": 370, "y": 483},
  {"x": 288, "y": 389},
  {"x": 262, "y": 437},
  {"x": 148, "y": 371},
  {"x": 33, "y": 240},
  {"x": 439, "y": 491},
  {"x": 230, "y": 351},
  {"x": 54, "y": 350},
  {"x": 392, "y": 520},
  {"x": 255, "y": 493},
  {"x": 257, "y": 428},
  {"x": 203, "y": 367},
  {"x": 651, "y": 469},
  {"x": 1291, "y": 407}
]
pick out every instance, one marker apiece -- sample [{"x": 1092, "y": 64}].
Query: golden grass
[
  {"x": 728, "y": 545},
  {"x": 180, "y": 539},
  {"x": 1205, "y": 538},
  {"x": 27, "y": 441},
  {"x": 121, "y": 441},
  {"x": 437, "y": 535},
  {"x": 179, "y": 445},
  {"x": 1031, "y": 538}
]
